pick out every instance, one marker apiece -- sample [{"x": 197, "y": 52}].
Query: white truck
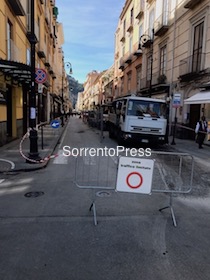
[{"x": 138, "y": 119}]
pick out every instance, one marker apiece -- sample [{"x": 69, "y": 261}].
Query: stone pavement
[{"x": 11, "y": 159}]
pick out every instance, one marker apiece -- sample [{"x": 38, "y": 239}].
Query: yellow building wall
[{"x": 3, "y": 113}]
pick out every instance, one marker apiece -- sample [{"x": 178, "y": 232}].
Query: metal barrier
[{"x": 172, "y": 174}]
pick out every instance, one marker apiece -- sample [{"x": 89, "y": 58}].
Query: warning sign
[{"x": 135, "y": 175}]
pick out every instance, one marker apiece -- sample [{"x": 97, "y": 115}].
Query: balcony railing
[
  {"x": 192, "y": 65},
  {"x": 161, "y": 25},
  {"x": 13, "y": 52}
]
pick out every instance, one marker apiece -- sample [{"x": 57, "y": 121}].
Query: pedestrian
[{"x": 201, "y": 130}]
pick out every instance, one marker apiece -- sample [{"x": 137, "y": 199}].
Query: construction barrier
[{"x": 162, "y": 172}]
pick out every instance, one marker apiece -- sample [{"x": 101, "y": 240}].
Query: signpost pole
[{"x": 174, "y": 129}]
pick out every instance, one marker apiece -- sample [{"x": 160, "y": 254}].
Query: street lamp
[
  {"x": 145, "y": 41},
  {"x": 33, "y": 136},
  {"x": 68, "y": 66}
]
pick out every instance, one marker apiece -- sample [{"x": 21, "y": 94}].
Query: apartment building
[
  {"x": 162, "y": 48},
  {"x": 15, "y": 64}
]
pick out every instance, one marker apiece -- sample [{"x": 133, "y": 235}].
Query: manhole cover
[
  {"x": 103, "y": 194},
  {"x": 33, "y": 194}
]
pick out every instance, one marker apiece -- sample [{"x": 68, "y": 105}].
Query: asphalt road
[{"x": 53, "y": 236}]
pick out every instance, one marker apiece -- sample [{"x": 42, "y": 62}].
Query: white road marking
[
  {"x": 60, "y": 159},
  {"x": 2, "y": 180},
  {"x": 8, "y": 161}
]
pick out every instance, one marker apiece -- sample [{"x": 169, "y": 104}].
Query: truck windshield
[{"x": 146, "y": 109}]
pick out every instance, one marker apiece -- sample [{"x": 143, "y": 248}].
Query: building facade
[
  {"x": 161, "y": 48},
  {"x": 15, "y": 63}
]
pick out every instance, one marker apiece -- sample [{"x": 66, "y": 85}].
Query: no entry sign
[{"x": 135, "y": 175}]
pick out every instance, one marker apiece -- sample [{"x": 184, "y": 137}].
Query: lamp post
[
  {"x": 33, "y": 154},
  {"x": 69, "y": 66}
]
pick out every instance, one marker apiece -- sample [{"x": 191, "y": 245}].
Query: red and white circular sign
[{"x": 135, "y": 175}]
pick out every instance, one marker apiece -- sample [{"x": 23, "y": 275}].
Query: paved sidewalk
[{"x": 12, "y": 160}]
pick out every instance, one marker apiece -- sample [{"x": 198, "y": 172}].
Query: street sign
[
  {"x": 40, "y": 76},
  {"x": 135, "y": 175},
  {"x": 176, "y": 100},
  {"x": 55, "y": 124},
  {"x": 40, "y": 88}
]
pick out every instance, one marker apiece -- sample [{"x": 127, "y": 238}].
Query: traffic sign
[
  {"x": 177, "y": 100},
  {"x": 40, "y": 76},
  {"x": 135, "y": 175},
  {"x": 55, "y": 124}
]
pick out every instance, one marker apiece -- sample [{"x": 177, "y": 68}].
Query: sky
[{"x": 89, "y": 29}]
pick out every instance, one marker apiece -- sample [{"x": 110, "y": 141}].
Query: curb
[{"x": 41, "y": 165}]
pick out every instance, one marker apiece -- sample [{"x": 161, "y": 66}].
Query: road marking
[
  {"x": 60, "y": 159},
  {"x": 8, "y": 161},
  {"x": 2, "y": 180}
]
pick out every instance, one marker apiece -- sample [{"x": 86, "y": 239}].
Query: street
[{"x": 53, "y": 236}]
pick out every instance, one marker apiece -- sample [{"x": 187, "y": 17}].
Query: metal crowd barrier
[{"x": 172, "y": 174}]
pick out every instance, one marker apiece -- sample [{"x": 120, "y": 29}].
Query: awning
[
  {"x": 202, "y": 97},
  {"x": 16, "y": 71}
]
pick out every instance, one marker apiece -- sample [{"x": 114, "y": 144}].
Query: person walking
[{"x": 201, "y": 130}]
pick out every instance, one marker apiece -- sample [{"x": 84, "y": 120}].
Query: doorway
[{"x": 194, "y": 118}]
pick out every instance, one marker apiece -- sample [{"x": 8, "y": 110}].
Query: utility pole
[{"x": 33, "y": 154}]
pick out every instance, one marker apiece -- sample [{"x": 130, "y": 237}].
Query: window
[
  {"x": 149, "y": 62},
  {"x": 197, "y": 47},
  {"x": 122, "y": 85},
  {"x": 124, "y": 27},
  {"x": 130, "y": 44},
  {"x": 131, "y": 16},
  {"x": 138, "y": 78},
  {"x": 129, "y": 82},
  {"x": 151, "y": 22},
  {"x": 9, "y": 40},
  {"x": 140, "y": 30},
  {"x": 28, "y": 57},
  {"x": 163, "y": 60}
]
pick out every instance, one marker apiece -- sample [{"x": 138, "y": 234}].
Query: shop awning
[
  {"x": 202, "y": 97},
  {"x": 16, "y": 71}
]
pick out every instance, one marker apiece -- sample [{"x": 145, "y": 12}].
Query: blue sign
[{"x": 55, "y": 124}]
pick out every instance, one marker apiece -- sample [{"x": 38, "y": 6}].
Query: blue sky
[{"x": 89, "y": 28}]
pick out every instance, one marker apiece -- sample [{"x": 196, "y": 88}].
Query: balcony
[
  {"x": 122, "y": 64},
  {"x": 190, "y": 4},
  {"x": 129, "y": 58},
  {"x": 161, "y": 25},
  {"x": 17, "y": 6},
  {"x": 42, "y": 52},
  {"x": 130, "y": 27},
  {"x": 140, "y": 10},
  {"x": 191, "y": 67}
]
